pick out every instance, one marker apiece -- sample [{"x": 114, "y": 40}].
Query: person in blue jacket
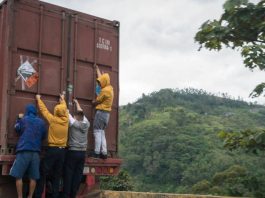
[{"x": 32, "y": 131}]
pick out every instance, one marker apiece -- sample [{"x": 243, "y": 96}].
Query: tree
[
  {"x": 233, "y": 181},
  {"x": 201, "y": 187},
  {"x": 240, "y": 27},
  {"x": 121, "y": 182},
  {"x": 251, "y": 140}
]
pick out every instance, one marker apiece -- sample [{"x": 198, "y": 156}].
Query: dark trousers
[
  {"x": 73, "y": 172},
  {"x": 52, "y": 165}
]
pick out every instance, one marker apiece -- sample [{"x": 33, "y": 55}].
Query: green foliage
[
  {"x": 201, "y": 187},
  {"x": 121, "y": 182},
  {"x": 240, "y": 27},
  {"x": 229, "y": 175},
  {"x": 175, "y": 148},
  {"x": 258, "y": 90},
  {"x": 251, "y": 140},
  {"x": 231, "y": 181},
  {"x": 234, "y": 181}
]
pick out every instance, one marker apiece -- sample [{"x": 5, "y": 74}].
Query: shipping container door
[
  {"x": 95, "y": 42},
  {"x": 39, "y": 44}
]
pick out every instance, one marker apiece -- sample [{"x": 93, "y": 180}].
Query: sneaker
[
  {"x": 102, "y": 156},
  {"x": 94, "y": 155}
]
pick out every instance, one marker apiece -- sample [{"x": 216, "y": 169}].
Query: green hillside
[{"x": 169, "y": 143}]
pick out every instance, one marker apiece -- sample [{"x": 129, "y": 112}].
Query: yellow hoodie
[
  {"x": 105, "y": 98},
  {"x": 58, "y": 123}
]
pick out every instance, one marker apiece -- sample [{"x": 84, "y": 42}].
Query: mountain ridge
[{"x": 168, "y": 136}]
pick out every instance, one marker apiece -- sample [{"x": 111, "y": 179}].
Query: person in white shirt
[{"x": 76, "y": 154}]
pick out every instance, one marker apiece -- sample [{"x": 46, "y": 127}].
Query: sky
[{"x": 157, "y": 48}]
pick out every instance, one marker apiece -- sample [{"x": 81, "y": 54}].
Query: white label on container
[
  {"x": 26, "y": 70},
  {"x": 104, "y": 44}
]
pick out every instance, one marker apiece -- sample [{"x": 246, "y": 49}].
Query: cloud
[{"x": 158, "y": 48}]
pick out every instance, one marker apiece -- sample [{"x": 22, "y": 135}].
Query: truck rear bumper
[{"x": 110, "y": 166}]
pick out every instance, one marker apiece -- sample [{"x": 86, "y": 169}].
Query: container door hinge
[{"x": 11, "y": 91}]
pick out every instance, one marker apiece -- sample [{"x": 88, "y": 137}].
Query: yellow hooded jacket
[
  {"x": 105, "y": 98},
  {"x": 58, "y": 123}
]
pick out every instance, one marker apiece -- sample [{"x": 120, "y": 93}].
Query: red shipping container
[{"x": 59, "y": 48}]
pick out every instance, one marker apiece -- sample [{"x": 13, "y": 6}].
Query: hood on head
[
  {"x": 60, "y": 110},
  {"x": 104, "y": 80},
  {"x": 31, "y": 110}
]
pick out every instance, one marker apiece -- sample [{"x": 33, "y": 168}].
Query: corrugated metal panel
[
  {"x": 6, "y": 41},
  {"x": 1, "y": 50},
  {"x": 64, "y": 46},
  {"x": 2, "y": 44}
]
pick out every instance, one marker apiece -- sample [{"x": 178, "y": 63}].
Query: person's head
[
  {"x": 60, "y": 110},
  {"x": 104, "y": 80},
  {"x": 30, "y": 110},
  {"x": 79, "y": 115}
]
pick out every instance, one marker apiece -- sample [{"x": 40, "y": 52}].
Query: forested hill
[{"x": 169, "y": 143}]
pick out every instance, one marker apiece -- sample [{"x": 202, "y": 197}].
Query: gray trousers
[{"x": 100, "y": 123}]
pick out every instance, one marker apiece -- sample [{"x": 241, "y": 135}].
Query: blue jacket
[{"x": 31, "y": 129}]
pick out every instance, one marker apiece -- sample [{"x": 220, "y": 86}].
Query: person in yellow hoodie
[
  {"x": 103, "y": 105},
  {"x": 57, "y": 139}
]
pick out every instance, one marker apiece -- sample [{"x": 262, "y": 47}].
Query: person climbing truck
[
  {"x": 53, "y": 161},
  {"x": 31, "y": 130},
  {"x": 103, "y": 105},
  {"x": 76, "y": 153}
]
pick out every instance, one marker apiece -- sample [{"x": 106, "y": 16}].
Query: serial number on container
[{"x": 104, "y": 44}]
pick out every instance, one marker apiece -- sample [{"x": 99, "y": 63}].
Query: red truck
[{"x": 47, "y": 49}]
